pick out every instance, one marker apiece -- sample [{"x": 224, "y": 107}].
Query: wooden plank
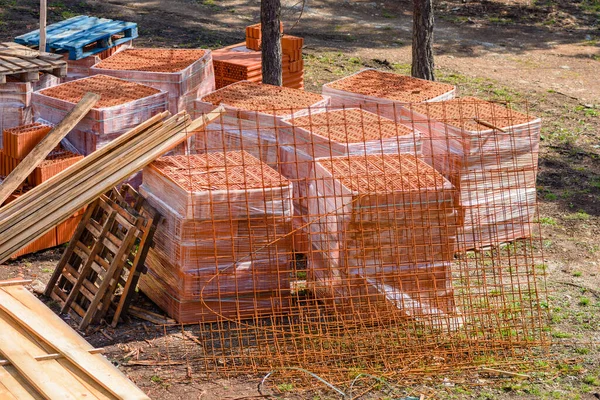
[
  {"x": 15, "y": 387},
  {"x": 15, "y": 349},
  {"x": 49, "y": 143},
  {"x": 16, "y": 282},
  {"x": 105, "y": 375},
  {"x": 53, "y": 356}
]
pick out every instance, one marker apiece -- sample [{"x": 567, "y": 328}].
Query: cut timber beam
[{"x": 49, "y": 143}]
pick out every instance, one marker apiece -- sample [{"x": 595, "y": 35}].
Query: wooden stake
[
  {"x": 43, "y": 10},
  {"x": 43, "y": 148}
]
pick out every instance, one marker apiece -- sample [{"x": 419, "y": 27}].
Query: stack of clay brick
[
  {"x": 242, "y": 61},
  {"x": 385, "y": 238},
  {"x": 185, "y": 74},
  {"x": 253, "y": 112},
  {"x": 384, "y": 92},
  {"x": 223, "y": 247},
  {"x": 122, "y": 106},
  {"x": 331, "y": 133},
  {"x": 81, "y": 68},
  {"x": 490, "y": 153},
  {"x": 17, "y": 143}
]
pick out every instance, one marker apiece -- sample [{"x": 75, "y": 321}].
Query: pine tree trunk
[
  {"x": 271, "y": 41},
  {"x": 422, "y": 45}
]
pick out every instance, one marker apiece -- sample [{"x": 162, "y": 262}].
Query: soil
[{"x": 543, "y": 54}]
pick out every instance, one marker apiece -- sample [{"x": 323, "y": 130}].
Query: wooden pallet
[
  {"x": 99, "y": 270},
  {"x": 25, "y": 64},
  {"x": 42, "y": 357},
  {"x": 82, "y": 36}
]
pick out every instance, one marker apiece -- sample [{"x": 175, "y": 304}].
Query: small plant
[
  {"x": 578, "y": 216},
  {"x": 582, "y": 350},
  {"x": 47, "y": 270},
  {"x": 561, "y": 335},
  {"x": 584, "y": 301},
  {"x": 156, "y": 379},
  {"x": 577, "y": 274},
  {"x": 591, "y": 380},
  {"x": 547, "y": 221},
  {"x": 387, "y": 14},
  {"x": 285, "y": 387}
]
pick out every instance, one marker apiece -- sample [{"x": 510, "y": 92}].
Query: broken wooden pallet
[
  {"x": 99, "y": 270},
  {"x": 25, "y": 64},
  {"x": 42, "y": 357}
]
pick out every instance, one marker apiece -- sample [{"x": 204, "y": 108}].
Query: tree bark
[
  {"x": 270, "y": 11},
  {"x": 422, "y": 44}
]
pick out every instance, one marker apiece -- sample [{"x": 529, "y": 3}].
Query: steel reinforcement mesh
[{"x": 379, "y": 238}]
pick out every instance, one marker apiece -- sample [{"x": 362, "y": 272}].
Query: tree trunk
[
  {"x": 271, "y": 41},
  {"x": 422, "y": 44}
]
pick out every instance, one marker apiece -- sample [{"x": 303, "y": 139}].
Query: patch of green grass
[
  {"x": 156, "y": 379},
  {"x": 285, "y": 387},
  {"x": 547, "y": 221},
  {"x": 499, "y": 20},
  {"x": 68, "y": 14},
  {"x": 587, "y": 111},
  {"x": 209, "y": 3},
  {"x": 582, "y": 350},
  {"x": 387, "y": 14},
  {"x": 561, "y": 335},
  {"x": 591, "y": 380},
  {"x": 584, "y": 301},
  {"x": 47, "y": 270},
  {"x": 578, "y": 216}
]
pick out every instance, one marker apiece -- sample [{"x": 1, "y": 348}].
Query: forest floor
[{"x": 543, "y": 55}]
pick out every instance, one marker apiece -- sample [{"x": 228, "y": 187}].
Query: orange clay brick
[
  {"x": 56, "y": 162},
  {"x": 20, "y": 140},
  {"x": 152, "y": 60}
]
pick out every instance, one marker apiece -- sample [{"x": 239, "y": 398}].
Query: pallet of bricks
[
  {"x": 332, "y": 133},
  {"x": 122, "y": 106},
  {"x": 22, "y": 71},
  {"x": 185, "y": 74},
  {"x": 253, "y": 113},
  {"x": 242, "y": 61},
  {"x": 382, "y": 92},
  {"x": 490, "y": 153},
  {"x": 383, "y": 238},
  {"x": 17, "y": 143},
  {"x": 223, "y": 248}
]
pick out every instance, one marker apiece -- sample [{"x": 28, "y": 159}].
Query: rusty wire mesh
[{"x": 377, "y": 238}]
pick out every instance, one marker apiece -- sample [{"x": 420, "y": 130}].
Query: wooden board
[
  {"x": 26, "y": 64},
  {"x": 42, "y": 357}
]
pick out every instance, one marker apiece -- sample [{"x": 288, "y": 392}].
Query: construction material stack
[
  {"x": 383, "y": 92},
  {"x": 123, "y": 105},
  {"x": 243, "y": 61},
  {"x": 22, "y": 71},
  {"x": 17, "y": 143},
  {"x": 223, "y": 248},
  {"x": 331, "y": 133},
  {"x": 253, "y": 113},
  {"x": 490, "y": 153},
  {"x": 385, "y": 238},
  {"x": 185, "y": 74}
]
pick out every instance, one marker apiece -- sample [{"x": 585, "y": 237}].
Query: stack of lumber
[
  {"x": 41, "y": 357},
  {"x": 490, "y": 153},
  {"x": 385, "y": 225},
  {"x": 18, "y": 142},
  {"x": 254, "y": 110},
  {"x": 100, "y": 268},
  {"x": 122, "y": 106},
  {"x": 330, "y": 133},
  {"x": 382, "y": 92},
  {"x": 22, "y": 71},
  {"x": 185, "y": 74},
  {"x": 82, "y": 36},
  {"x": 54, "y": 201},
  {"x": 243, "y": 61},
  {"x": 223, "y": 248}
]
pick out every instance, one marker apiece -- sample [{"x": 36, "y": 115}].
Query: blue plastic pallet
[{"x": 74, "y": 34}]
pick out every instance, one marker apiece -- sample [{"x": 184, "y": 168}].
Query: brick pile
[
  {"x": 185, "y": 74},
  {"x": 490, "y": 153},
  {"x": 77, "y": 69},
  {"x": 17, "y": 143},
  {"x": 242, "y": 61},
  {"x": 122, "y": 106},
  {"x": 222, "y": 248},
  {"x": 384, "y": 92},
  {"x": 374, "y": 240},
  {"x": 330, "y": 133},
  {"x": 252, "y": 112}
]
